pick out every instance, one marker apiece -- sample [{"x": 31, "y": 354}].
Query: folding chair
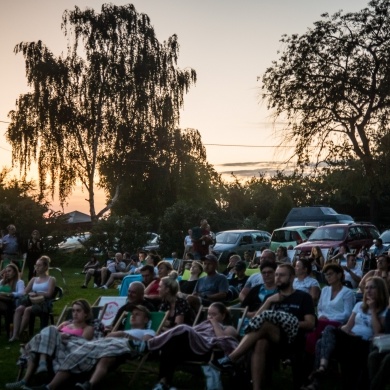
[
  {"x": 59, "y": 270},
  {"x": 20, "y": 263},
  {"x": 157, "y": 321},
  {"x": 66, "y": 314}
]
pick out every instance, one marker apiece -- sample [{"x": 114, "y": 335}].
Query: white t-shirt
[
  {"x": 357, "y": 271},
  {"x": 363, "y": 324},
  {"x": 140, "y": 333},
  {"x": 254, "y": 280},
  {"x": 305, "y": 284}
]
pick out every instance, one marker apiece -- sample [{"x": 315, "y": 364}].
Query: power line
[{"x": 251, "y": 146}]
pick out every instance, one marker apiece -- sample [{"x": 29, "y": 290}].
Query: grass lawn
[{"x": 71, "y": 266}]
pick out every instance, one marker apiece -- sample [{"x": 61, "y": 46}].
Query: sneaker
[
  {"x": 161, "y": 386},
  {"x": 83, "y": 286},
  {"x": 104, "y": 287},
  {"x": 84, "y": 386},
  {"x": 222, "y": 364},
  {"x": 16, "y": 385},
  {"x": 95, "y": 285}
]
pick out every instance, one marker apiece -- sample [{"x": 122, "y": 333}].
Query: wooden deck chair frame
[
  {"x": 139, "y": 364},
  {"x": 66, "y": 314}
]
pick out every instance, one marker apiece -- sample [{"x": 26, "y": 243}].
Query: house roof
[{"x": 77, "y": 217}]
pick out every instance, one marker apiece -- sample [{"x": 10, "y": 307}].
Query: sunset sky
[{"x": 228, "y": 43}]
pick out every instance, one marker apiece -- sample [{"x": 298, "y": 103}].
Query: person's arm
[
  {"x": 355, "y": 277},
  {"x": 220, "y": 331},
  {"x": 29, "y": 286},
  {"x": 219, "y": 296},
  {"x": 19, "y": 289},
  {"x": 315, "y": 293},
  {"x": 88, "y": 332},
  {"x": 347, "y": 328},
  {"x": 308, "y": 322}
]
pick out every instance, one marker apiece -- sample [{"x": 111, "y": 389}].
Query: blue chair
[{"x": 126, "y": 282}]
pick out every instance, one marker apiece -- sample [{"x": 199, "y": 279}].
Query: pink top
[{"x": 72, "y": 331}]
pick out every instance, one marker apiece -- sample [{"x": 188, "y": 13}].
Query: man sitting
[
  {"x": 296, "y": 315},
  {"x": 212, "y": 288},
  {"x": 104, "y": 353}
]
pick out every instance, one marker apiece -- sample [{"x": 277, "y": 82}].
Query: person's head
[
  {"x": 189, "y": 256},
  {"x": 153, "y": 259},
  {"x": 118, "y": 256},
  {"x": 302, "y": 268},
  {"x": 135, "y": 293},
  {"x": 219, "y": 312},
  {"x": 35, "y": 234},
  {"x": 247, "y": 256},
  {"x": 267, "y": 255},
  {"x": 240, "y": 269},
  {"x": 383, "y": 263},
  {"x": 343, "y": 249},
  {"x": 147, "y": 272},
  {"x": 210, "y": 264},
  {"x": 378, "y": 242},
  {"x": 190, "y": 232},
  {"x": 375, "y": 289},
  {"x": 316, "y": 252},
  {"x": 42, "y": 265},
  {"x": 281, "y": 252},
  {"x": 164, "y": 268},
  {"x": 81, "y": 311},
  {"x": 196, "y": 268},
  {"x": 351, "y": 260},
  {"x": 11, "y": 275},
  {"x": 11, "y": 229},
  {"x": 140, "y": 316},
  {"x": 168, "y": 286},
  {"x": 333, "y": 273},
  {"x": 234, "y": 259},
  {"x": 203, "y": 223},
  {"x": 174, "y": 255},
  {"x": 93, "y": 259},
  {"x": 267, "y": 269},
  {"x": 141, "y": 256},
  {"x": 284, "y": 276}
]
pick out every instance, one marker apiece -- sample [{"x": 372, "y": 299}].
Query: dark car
[
  {"x": 240, "y": 241},
  {"x": 331, "y": 237}
]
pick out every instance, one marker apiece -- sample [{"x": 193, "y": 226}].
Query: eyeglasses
[
  {"x": 267, "y": 272},
  {"x": 329, "y": 274}
]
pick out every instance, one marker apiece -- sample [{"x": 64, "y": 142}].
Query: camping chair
[
  {"x": 62, "y": 275},
  {"x": 238, "y": 316},
  {"x": 157, "y": 321},
  {"x": 46, "y": 318},
  {"x": 66, "y": 314}
]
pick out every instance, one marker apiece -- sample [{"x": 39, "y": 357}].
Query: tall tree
[
  {"x": 333, "y": 86},
  {"x": 103, "y": 104}
]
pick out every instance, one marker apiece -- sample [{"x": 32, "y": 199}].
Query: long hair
[
  {"x": 318, "y": 251},
  {"x": 224, "y": 311},
  {"x": 12, "y": 282},
  {"x": 85, "y": 306},
  {"x": 382, "y": 294}
]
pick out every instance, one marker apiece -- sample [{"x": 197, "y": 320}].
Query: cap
[
  {"x": 211, "y": 258},
  {"x": 141, "y": 308},
  {"x": 240, "y": 266}
]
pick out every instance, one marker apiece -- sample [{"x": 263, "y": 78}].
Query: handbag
[
  {"x": 382, "y": 342},
  {"x": 37, "y": 299}
]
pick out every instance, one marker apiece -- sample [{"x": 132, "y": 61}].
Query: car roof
[
  {"x": 242, "y": 231},
  {"x": 296, "y": 227}
]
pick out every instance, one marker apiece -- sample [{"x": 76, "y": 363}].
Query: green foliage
[
  {"x": 100, "y": 108},
  {"x": 332, "y": 84}
]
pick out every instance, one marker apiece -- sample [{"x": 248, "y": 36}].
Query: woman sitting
[
  {"x": 180, "y": 311},
  {"x": 193, "y": 343},
  {"x": 317, "y": 258},
  {"x": 382, "y": 271},
  {"x": 281, "y": 255},
  {"x": 37, "y": 297},
  {"x": 351, "y": 342},
  {"x": 258, "y": 294},
  {"x": 151, "y": 291},
  {"x": 335, "y": 304},
  {"x": 11, "y": 288},
  {"x": 304, "y": 282},
  {"x": 187, "y": 286},
  {"x": 55, "y": 343}
]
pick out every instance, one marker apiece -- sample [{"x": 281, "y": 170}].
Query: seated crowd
[{"x": 308, "y": 313}]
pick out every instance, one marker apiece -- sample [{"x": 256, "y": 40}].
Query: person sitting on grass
[
  {"x": 100, "y": 356},
  {"x": 54, "y": 343}
]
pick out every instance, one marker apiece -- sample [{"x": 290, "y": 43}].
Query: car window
[
  {"x": 328, "y": 233},
  {"x": 227, "y": 238},
  {"x": 258, "y": 237},
  {"x": 246, "y": 239},
  {"x": 307, "y": 232},
  {"x": 373, "y": 232}
]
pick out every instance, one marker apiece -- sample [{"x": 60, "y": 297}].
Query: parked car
[
  {"x": 74, "y": 243},
  {"x": 330, "y": 237},
  {"x": 385, "y": 236},
  {"x": 287, "y": 236},
  {"x": 240, "y": 241},
  {"x": 315, "y": 216}
]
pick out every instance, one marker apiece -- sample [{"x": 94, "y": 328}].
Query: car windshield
[
  {"x": 328, "y": 233},
  {"x": 227, "y": 238}
]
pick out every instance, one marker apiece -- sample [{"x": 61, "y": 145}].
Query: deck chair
[
  {"x": 59, "y": 270},
  {"x": 238, "y": 316},
  {"x": 66, "y": 314},
  {"x": 157, "y": 321}
]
